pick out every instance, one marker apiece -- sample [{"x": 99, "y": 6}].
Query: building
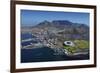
[{"x": 68, "y": 43}]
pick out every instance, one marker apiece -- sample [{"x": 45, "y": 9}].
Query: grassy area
[
  {"x": 79, "y": 44},
  {"x": 82, "y": 44},
  {"x": 70, "y": 49}
]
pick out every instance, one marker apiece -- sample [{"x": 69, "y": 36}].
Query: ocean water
[
  {"x": 26, "y": 36},
  {"x": 46, "y": 54}
]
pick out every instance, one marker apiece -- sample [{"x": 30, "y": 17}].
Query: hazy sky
[{"x": 32, "y": 17}]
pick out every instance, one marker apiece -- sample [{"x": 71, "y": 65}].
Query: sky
[{"x": 33, "y": 17}]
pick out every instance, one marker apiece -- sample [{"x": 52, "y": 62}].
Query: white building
[{"x": 68, "y": 43}]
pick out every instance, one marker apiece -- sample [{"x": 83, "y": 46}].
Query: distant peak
[{"x": 64, "y": 22}]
